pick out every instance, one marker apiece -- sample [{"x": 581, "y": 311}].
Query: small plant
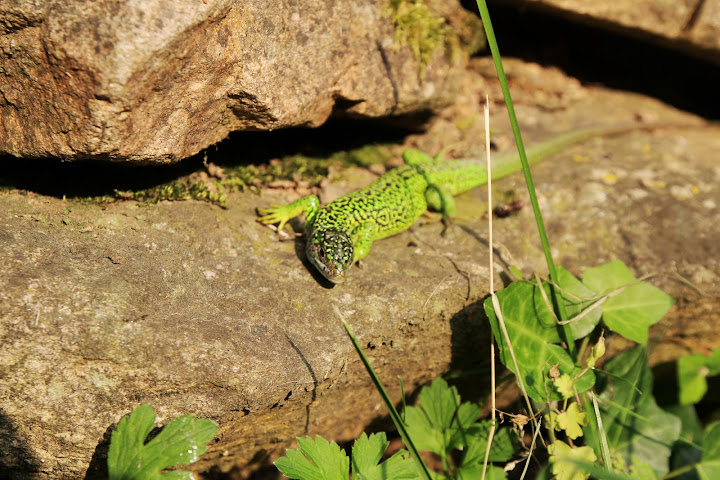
[
  {"x": 180, "y": 442},
  {"x": 442, "y": 424},
  {"x": 628, "y": 306},
  {"x": 318, "y": 459}
]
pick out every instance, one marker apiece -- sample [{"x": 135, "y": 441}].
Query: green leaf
[
  {"x": 503, "y": 445},
  {"x": 180, "y": 442},
  {"x": 564, "y": 461},
  {"x": 442, "y": 422},
  {"x": 534, "y": 335},
  {"x": 637, "y": 429},
  {"x": 475, "y": 473},
  {"x": 632, "y": 311},
  {"x": 692, "y": 371},
  {"x": 316, "y": 459},
  {"x": 571, "y": 420},
  {"x": 709, "y": 466},
  {"x": 367, "y": 452},
  {"x": 565, "y": 385},
  {"x": 578, "y": 298},
  {"x": 688, "y": 450}
]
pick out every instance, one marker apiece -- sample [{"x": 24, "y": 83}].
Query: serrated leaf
[
  {"x": 367, "y": 452},
  {"x": 632, "y": 311},
  {"x": 424, "y": 435},
  {"x": 709, "y": 466},
  {"x": 534, "y": 335},
  {"x": 180, "y": 442},
  {"x": 442, "y": 422},
  {"x": 571, "y": 421},
  {"x": 317, "y": 459},
  {"x": 565, "y": 386},
  {"x": 636, "y": 427}
]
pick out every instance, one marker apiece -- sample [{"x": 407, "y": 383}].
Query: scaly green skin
[{"x": 342, "y": 232}]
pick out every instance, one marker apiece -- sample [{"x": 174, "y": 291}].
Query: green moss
[
  {"x": 295, "y": 168},
  {"x": 365, "y": 156},
  {"x": 185, "y": 189},
  {"x": 418, "y": 28}
]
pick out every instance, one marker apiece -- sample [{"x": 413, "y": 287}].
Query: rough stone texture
[
  {"x": 692, "y": 26},
  {"x": 159, "y": 81},
  {"x": 201, "y": 310}
]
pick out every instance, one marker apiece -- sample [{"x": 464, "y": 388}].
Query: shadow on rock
[
  {"x": 102, "y": 176},
  {"x": 98, "y": 463},
  {"x": 16, "y": 461}
]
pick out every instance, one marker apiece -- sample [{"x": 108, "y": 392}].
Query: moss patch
[
  {"x": 213, "y": 185},
  {"x": 424, "y": 32}
]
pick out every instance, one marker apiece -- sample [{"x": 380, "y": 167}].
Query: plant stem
[{"x": 557, "y": 300}]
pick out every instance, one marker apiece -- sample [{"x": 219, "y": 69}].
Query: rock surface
[
  {"x": 692, "y": 26},
  {"x": 201, "y": 310},
  {"x": 155, "y": 82}
]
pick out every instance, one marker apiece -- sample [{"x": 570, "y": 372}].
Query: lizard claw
[
  {"x": 272, "y": 215},
  {"x": 446, "y": 226}
]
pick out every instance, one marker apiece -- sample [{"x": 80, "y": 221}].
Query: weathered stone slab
[
  {"x": 201, "y": 310},
  {"x": 158, "y": 81}
]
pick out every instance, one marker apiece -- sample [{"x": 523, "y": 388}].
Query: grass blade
[
  {"x": 422, "y": 468},
  {"x": 604, "y": 448},
  {"x": 557, "y": 301}
]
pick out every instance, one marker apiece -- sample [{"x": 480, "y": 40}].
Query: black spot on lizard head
[{"x": 331, "y": 251}]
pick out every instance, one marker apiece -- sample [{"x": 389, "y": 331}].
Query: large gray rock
[
  {"x": 198, "y": 309},
  {"x": 158, "y": 81}
]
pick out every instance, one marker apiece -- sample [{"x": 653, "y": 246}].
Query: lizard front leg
[
  {"x": 281, "y": 214},
  {"x": 362, "y": 239}
]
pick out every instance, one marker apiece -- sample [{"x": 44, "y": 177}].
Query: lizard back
[{"x": 393, "y": 203}]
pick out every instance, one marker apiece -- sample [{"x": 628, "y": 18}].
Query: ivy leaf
[
  {"x": 367, "y": 452},
  {"x": 567, "y": 462},
  {"x": 180, "y": 442},
  {"x": 709, "y": 466},
  {"x": 692, "y": 371},
  {"x": 578, "y": 298},
  {"x": 316, "y": 459},
  {"x": 534, "y": 334},
  {"x": 632, "y": 311}
]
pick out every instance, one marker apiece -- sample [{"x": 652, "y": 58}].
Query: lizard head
[{"x": 331, "y": 251}]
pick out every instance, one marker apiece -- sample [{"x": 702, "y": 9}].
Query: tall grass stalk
[{"x": 557, "y": 300}]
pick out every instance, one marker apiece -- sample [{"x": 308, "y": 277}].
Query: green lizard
[{"x": 341, "y": 233}]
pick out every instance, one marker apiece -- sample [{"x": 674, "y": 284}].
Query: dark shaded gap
[
  {"x": 593, "y": 54},
  {"x": 93, "y": 178}
]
